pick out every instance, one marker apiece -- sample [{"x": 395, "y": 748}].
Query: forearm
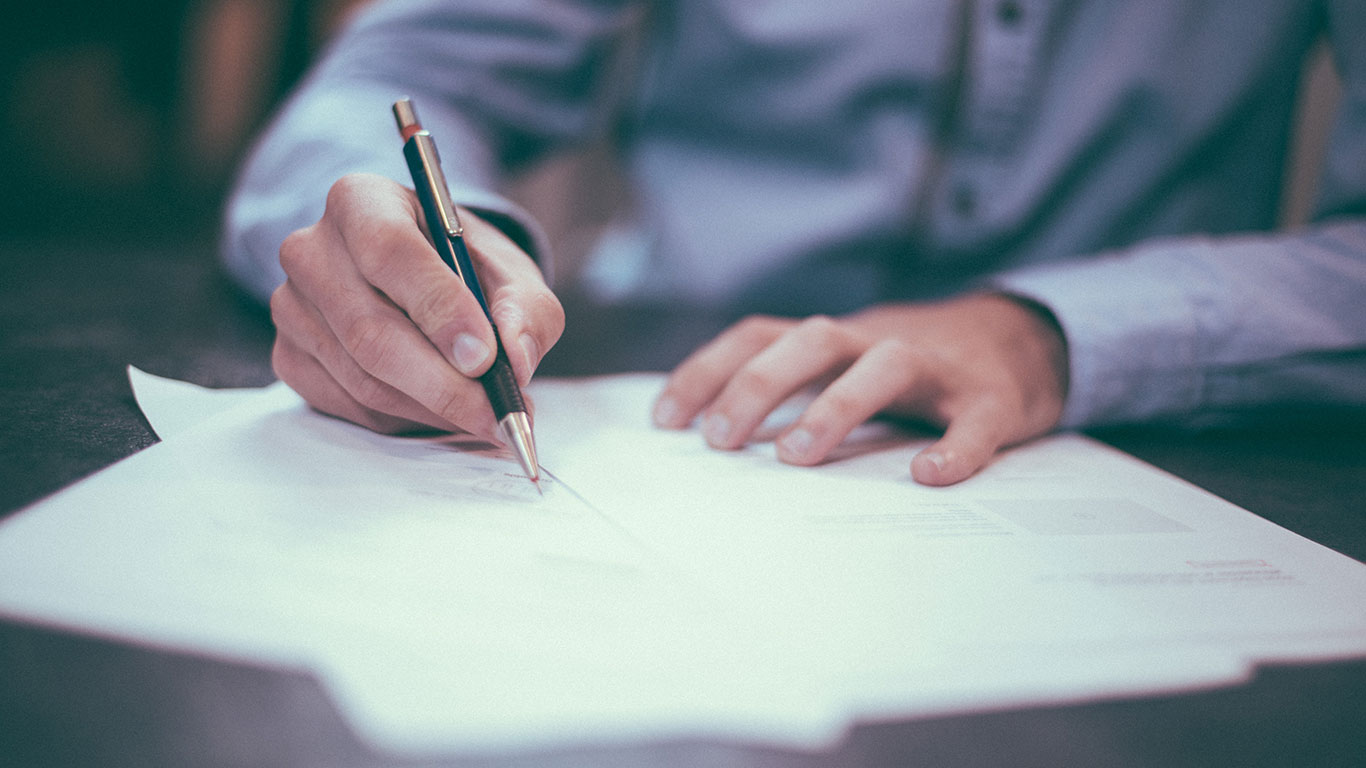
[{"x": 1197, "y": 330}]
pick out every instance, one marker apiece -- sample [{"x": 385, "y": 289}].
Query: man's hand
[
  {"x": 373, "y": 327},
  {"x": 990, "y": 369}
]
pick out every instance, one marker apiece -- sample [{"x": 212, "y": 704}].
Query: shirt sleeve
[
  {"x": 497, "y": 82},
  {"x": 1202, "y": 330}
]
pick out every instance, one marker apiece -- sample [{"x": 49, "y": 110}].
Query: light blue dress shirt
[{"x": 1118, "y": 162}]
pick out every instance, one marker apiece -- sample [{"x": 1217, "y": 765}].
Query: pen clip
[{"x": 430, "y": 166}]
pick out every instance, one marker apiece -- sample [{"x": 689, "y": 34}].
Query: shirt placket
[{"x": 1004, "y": 41}]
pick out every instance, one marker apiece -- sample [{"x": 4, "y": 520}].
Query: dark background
[
  {"x": 120, "y": 128},
  {"x": 125, "y": 119}
]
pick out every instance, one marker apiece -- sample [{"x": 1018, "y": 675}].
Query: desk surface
[{"x": 71, "y": 320}]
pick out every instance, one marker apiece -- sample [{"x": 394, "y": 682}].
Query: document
[{"x": 656, "y": 588}]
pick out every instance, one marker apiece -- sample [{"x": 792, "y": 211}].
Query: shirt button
[
  {"x": 964, "y": 200},
  {"x": 1009, "y": 13}
]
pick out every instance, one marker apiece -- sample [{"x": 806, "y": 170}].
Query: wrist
[{"x": 1041, "y": 331}]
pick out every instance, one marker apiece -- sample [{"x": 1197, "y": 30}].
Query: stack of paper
[{"x": 658, "y": 588}]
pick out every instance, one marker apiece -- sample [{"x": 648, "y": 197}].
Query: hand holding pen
[{"x": 374, "y": 328}]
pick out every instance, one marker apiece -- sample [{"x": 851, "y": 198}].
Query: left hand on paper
[{"x": 990, "y": 369}]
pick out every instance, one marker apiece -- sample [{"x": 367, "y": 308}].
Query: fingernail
[
  {"x": 716, "y": 429},
  {"x": 531, "y": 351},
  {"x": 796, "y": 443},
  {"x": 469, "y": 352},
  {"x": 666, "y": 412},
  {"x": 936, "y": 458}
]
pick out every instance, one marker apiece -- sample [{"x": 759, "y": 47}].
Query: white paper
[
  {"x": 173, "y": 406},
  {"x": 659, "y": 588}
]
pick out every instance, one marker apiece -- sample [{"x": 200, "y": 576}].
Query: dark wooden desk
[{"x": 71, "y": 319}]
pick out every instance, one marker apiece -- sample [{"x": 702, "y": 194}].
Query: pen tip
[{"x": 517, "y": 434}]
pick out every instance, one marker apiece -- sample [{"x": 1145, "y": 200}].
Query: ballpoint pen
[{"x": 443, "y": 222}]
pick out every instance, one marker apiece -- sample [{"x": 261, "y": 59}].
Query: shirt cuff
[{"x": 1132, "y": 330}]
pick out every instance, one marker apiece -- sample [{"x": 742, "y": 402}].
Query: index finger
[
  {"x": 380, "y": 223},
  {"x": 701, "y": 377}
]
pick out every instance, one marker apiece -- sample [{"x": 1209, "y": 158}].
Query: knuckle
[
  {"x": 287, "y": 312},
  {"x": 997, "y": 409},
  {"x": 283, "y": 363},
  {"x": 507, "y": 310},
  {"x": 345, "y": 191},
  {"x": 450, "y": 403},
  {"x": 296, "y": 251},
  {"x": 687, "y": 381},
  {"x": 431, "y": 305},
  {"x": 380, "y": 244},
  {"x": 820, "y": 330},
  {"x": 896, "y": 354},
  {"x": 371, "y": 393},
  {"x": 839, "y": 406},
  {"x": 368, "y": 339},
  {"x": 534, "y": 310},
  {"x": 750, "y": 381},
  {"x": 279, "y": 301},
  {"x": 548, "y": 311},
  {"x": 324, "y": 347},
  {"x": 758, "y": 326}
]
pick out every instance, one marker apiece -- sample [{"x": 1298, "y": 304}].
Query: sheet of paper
[
  {"x": 173, "y": 406},
  {"x": 657, "y": 588},
  {"x": 1065, "y": 528}
]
